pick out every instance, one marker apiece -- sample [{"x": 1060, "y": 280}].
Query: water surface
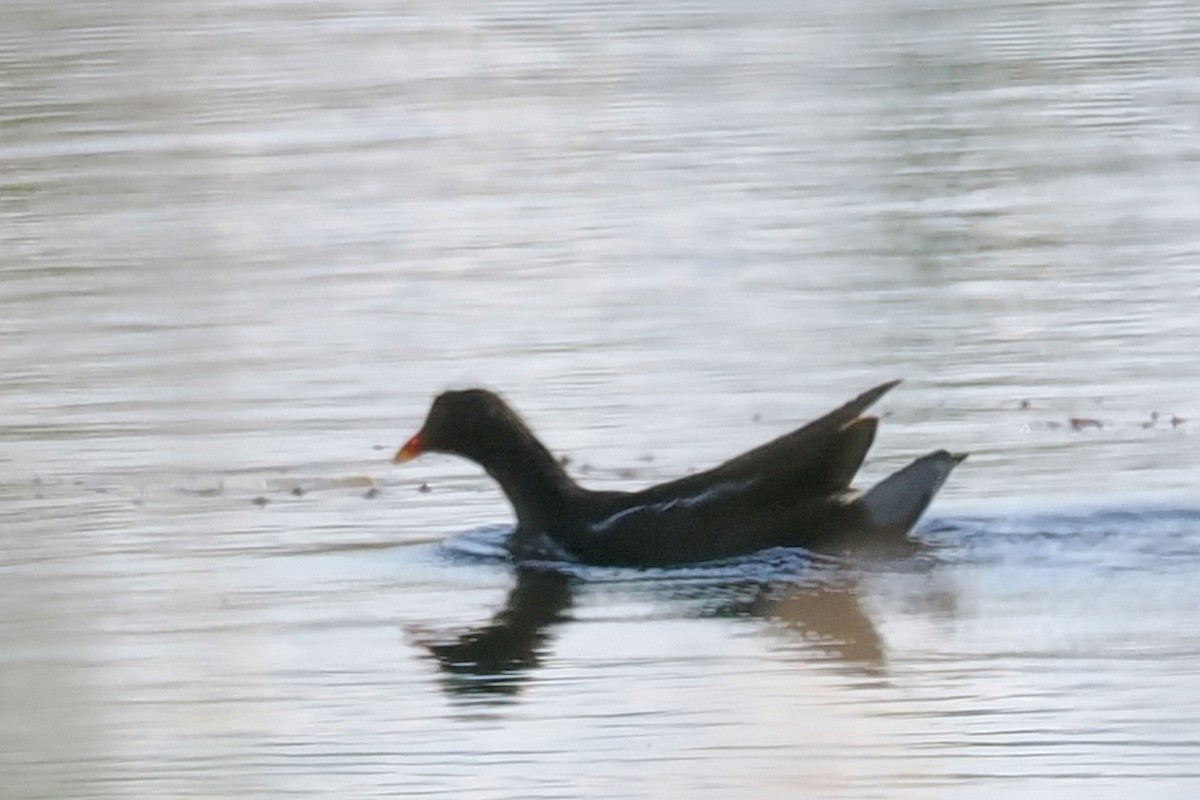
[{"x": 244, "y": 243}]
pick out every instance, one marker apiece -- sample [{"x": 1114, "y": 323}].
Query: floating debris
[
  {"x": 564, "y": 461},
  {"x": 424, "y": 488},
  {"x": 1026, "y": 405},
  {"x": 350, "y": 481},
  {"x": 298, "y": 491},
  {"x": 371, "y": 493},
  {"x": 1157, "y": 421},
  {"x": 260, "y": 501}
]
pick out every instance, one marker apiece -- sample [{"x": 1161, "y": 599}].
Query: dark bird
[{"x": 793, "y": 491}]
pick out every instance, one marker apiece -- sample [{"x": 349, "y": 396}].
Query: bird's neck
[{"x": 535, "y": 483}]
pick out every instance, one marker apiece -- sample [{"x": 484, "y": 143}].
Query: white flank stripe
[{"x": 680, "y": 502}]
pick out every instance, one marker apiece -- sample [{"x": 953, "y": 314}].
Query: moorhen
[{"x": 793, "y": 491}]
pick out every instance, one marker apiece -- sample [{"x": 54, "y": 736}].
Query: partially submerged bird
[{"x": 793, "y": 491}]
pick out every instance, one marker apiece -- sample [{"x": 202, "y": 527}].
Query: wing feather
[{"x": 819, "y": 458}]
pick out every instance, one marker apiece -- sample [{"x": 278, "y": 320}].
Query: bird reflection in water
[
  {"x": 497, "y": 659},
  {"x": 831, "y": 619}
]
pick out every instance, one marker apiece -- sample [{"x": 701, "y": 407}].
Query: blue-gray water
[{"x": 243, "y": 243}]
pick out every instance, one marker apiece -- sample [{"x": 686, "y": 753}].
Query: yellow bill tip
[{"x": 411, "y": 449}]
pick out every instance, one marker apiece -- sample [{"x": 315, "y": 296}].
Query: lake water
[{"x": 244, "y": 242}]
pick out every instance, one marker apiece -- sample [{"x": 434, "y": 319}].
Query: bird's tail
[{"x": 898, "y": 501}]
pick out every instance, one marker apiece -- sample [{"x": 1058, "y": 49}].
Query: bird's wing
[{"x": 819, "y": 458}]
